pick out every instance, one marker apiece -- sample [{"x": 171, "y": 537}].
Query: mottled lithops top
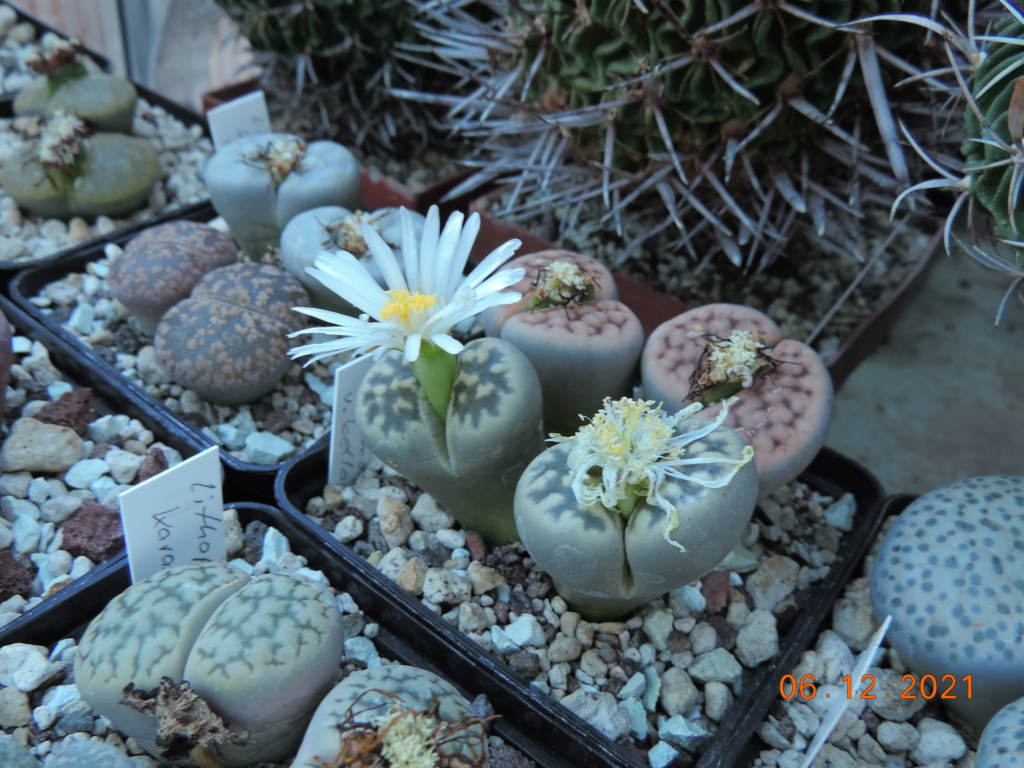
[
  {"x": 261, "y": 653},
  {"x": 228, "y": 342},
  {"x": 951, "y": 573},
  {"x": 393, "y": 701},
  {"x": 582, "y": 354},
  {"x": 784, "y": 413},
  {"x": 1002, "y": 743},
  {"x": 535, "y": 263},
  {"x": 161, "y": 265}
]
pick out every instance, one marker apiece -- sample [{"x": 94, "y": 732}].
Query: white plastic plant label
[
  {"x": 349, "y": 454},
  {"x": 176, "y": 517},
  {"x": 245, "y": 116}
]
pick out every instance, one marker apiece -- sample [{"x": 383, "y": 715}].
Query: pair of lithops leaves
[
  {"x": 260, "y": 183},
  {"x": 201, "y": 662}
]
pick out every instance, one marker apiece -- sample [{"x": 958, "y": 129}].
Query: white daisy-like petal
[
  {"x": 385, "y": 258},
  {"x": 461, "y": 257},
  {"x": 428, "y": 247},
  {"x": 491, "y": 262},
  {"x": 448, "y": 343},
  {"x": 410, "y": 249},
  {"x": 447, "y": 246},
  {"x": 412, "y": 347},
  {"x": 427, "y": 295}
]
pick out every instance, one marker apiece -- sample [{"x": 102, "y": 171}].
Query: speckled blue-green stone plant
[
  {"x": 636, "y": 504},
  {"x": 462, "y": 421},
  {"x": 950, "y": 572}
]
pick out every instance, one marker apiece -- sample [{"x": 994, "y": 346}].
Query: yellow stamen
[{"x": 402, "y": 303}]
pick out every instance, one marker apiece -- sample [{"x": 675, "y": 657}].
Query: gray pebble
[
  {"x": 718, "y": 665},
  {"x": 940, "y": 743},
  {"x": 758, "y": 639},
  {"x": 678, "y": 693},
  {"x": 600, "y": 710}
]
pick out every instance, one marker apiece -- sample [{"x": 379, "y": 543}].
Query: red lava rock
[
  {"x": 95, "y": 532},
  {"x": 475, "y": 545},
  {"x": 715, "y": 588},
  {"x": 154, "y": 463},
  {"x": 15, "y": 578},
  {"x": 100, "y": 450},
  {"x": 277, "y": 421},
  {"x": 72, "y": 409}
]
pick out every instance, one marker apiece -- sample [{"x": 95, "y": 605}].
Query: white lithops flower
[
  {"x": 58, "y": 143},
  {"x": 738, "y": 357},
  {"x": 425, "y": 298},
  {"x": 632, "y": 448}
]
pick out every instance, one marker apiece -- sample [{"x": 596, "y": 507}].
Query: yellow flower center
[{"x": 402, "y": 303}]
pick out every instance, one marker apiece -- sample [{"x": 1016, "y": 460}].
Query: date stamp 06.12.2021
[{"x": 923, "y": 686}]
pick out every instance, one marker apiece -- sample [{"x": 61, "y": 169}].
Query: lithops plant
[
  {"x": 584, "y": 348},
  {"x": 535, "y": 266},
  {"x": 161, "y": 265},
  {"x": 636, "y": 504},
  {"x": 394, "y": 717},
  {"x": 259, "y": 653},
  {"x": 949, "y": 573},
  {"x": 333, "y": 228},
  {"x": 461, "y": 420},
  {"x": 470, "y": 458},
  {"x": 783, "y": 389},
  {"x": 1002, "y": 742},
  {"x": 105, "y": 102},
  {"x": 69, "y": 172},
  {"x": 228, "y": 341},
  {"x": 260, "y": 183}
]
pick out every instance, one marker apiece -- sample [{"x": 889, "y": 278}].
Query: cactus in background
[
  {"x": 985, "y": 72},
  {"x": 349, "y": 55},
  {"x": 741, "y": 123}
]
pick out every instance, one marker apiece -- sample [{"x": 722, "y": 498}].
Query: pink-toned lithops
[
  {"x": 582, "y": 355},
  {"x": 537, "y": 266},
  {"x": 783, "y": 389}
]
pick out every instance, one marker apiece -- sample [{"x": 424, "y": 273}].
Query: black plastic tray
[
  {"x": 305, "y": 476},
  {"x": 108, "y": 399},
  {"x": 393, "y": 640},
  {"x": 749, "y": 749},
  {"x": 7, "y": 97}
]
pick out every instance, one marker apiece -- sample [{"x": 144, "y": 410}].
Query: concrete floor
[{"x": 942, "y": 399}]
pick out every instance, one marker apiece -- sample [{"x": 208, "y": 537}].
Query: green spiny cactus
[
  {"x": 349, "y": 52},
  {"x": 747, "y": 121},
  {"x": 994, "y": 130},
  {"x": 987, "y": 74}
]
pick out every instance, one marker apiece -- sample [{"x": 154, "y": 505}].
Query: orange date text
[{"x": 914, "y": 687}]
